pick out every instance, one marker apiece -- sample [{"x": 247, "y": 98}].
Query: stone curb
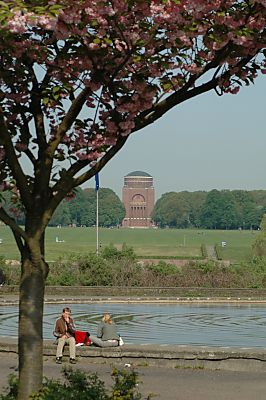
[
  {"x": 172, "y": 356},
  {"x": 144, "y": 292},
  {"x": 11, "y": 300}
]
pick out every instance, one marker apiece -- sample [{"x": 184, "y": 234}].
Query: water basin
[{"x": 183, "y": 324}]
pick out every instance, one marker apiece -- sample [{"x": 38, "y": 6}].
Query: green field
[{"x": 146, "y": 242}]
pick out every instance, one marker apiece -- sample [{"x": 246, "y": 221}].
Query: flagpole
[
  {"x": 97, "y": 211},
  {"x": 97, "y": 222}
]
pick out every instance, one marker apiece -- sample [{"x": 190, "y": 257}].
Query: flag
[{"x": 97, "y": 184}]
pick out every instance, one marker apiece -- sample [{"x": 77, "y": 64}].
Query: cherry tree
[{"x": 77, "y": 78}]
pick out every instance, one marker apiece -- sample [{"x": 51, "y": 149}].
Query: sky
[{"x": 209, "y": 142}]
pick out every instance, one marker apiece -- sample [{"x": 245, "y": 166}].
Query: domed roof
[{"x": 139, "y": 173}]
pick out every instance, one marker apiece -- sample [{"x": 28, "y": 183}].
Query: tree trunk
[{"x": 31, "y": 327}]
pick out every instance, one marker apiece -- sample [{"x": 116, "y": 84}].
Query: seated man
[{"x": 65, "y": 333}]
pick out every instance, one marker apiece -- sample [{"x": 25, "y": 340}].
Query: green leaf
[
  {"x": 3, "y": 4},
  {"x": 56, "y": 89},
  {"x": 108, "y": 41},
  {"x": 167, "y": 86},
  {"x": 137, "y": 58},
  {"x": 56, "y": 7}
]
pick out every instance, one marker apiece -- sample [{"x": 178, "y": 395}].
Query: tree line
[
  {"x": 216, "y": 209},
  {"x": 81, "y": 209}
]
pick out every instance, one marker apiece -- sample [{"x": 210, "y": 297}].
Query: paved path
[{"x": 167, "y": 383}]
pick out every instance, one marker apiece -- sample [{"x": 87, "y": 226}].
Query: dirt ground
[{"x": 163, "y": 383}]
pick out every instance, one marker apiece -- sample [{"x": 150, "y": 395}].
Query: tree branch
[
  {"x": 44, "y": 166},
  {"x": 68, "y": 120},
  {"x": 12, "y": 224},
  {"x": 68, "y": 182},
  {"x": 102, "y": 162},
  {"x": 59, "y": 52},
  {"x": 182, "y": 95},
  {"x": 13, "y": 163},
  {"x": 37, "y": 113}
]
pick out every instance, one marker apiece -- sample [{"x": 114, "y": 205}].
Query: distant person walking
[
  {"x": 65, "y": 333},
  {"x": 107, "y": 335}
]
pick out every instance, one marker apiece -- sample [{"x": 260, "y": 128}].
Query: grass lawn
[{"x": 146, "y": 242}]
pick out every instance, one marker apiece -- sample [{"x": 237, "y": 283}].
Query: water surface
[{"x": 213, "y": 325}]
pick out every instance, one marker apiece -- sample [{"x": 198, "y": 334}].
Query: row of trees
[
  {"x": 211, "y": 210},
  {"x": 78, "y": 209},
  {"x": 81, "y": 210}
]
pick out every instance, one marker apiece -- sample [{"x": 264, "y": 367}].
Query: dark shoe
[
  {"x": 58, "y": 360},
  {"x": 72, "y": 361}
]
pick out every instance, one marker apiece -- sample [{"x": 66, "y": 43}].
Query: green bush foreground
[{"x": 79, "y": 385}]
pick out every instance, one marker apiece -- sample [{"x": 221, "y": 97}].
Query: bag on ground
[{"x": 82, "y": 338}]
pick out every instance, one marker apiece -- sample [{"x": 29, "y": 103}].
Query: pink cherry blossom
[{"x": 127, "y": 57}]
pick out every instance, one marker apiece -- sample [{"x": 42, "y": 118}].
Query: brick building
[{"x": 138, "y": 199}]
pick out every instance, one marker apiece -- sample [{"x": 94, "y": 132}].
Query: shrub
[
  {"x": 12, "y": 389},
  {"x": 258, "y": 264},
  {"x": 2, "y": 262},
  {"x": 11, "y": 273},
  {"x": 203, "y": 249},
  {"x": 111, "y": 267},
  {"x": 78, "y": 385},
  {"x": 259, "y": 246},
  {"x": 163, "y": 268},
  {"x": 119, "y": 268},
  {"x": 112, "y": 253},
  {"x": 218, "y": 252},
  {"x": 128, "y": 252},
  {"x": 89, "y": 270}
]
